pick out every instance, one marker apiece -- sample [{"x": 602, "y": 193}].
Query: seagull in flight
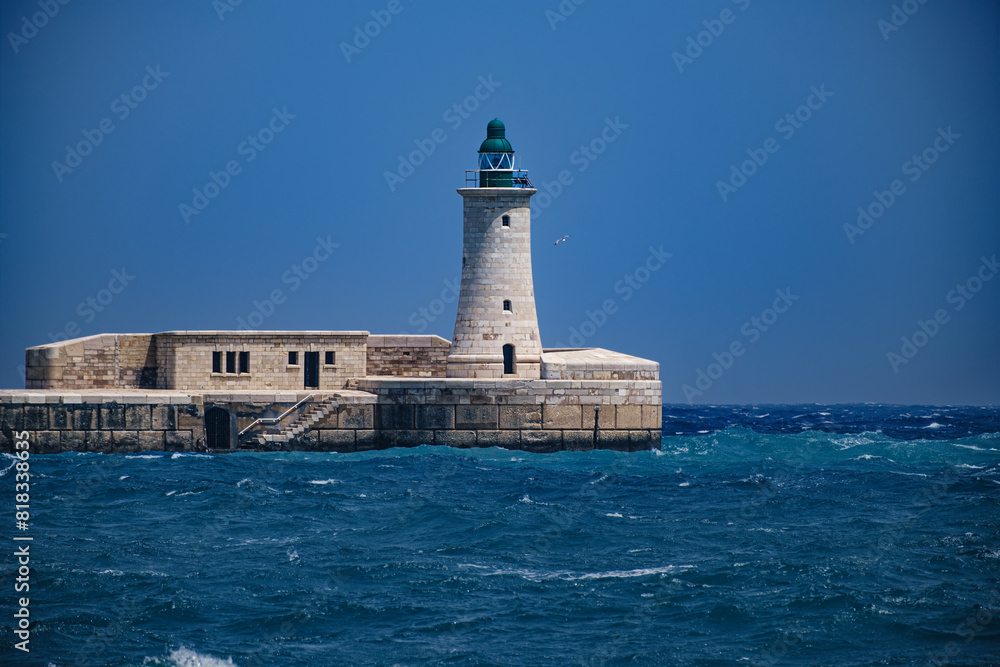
[{"x": 562, "y": 239}]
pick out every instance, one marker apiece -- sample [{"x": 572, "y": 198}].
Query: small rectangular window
[
  {"x": 230, "y": 362},
  {"x": 216, "y": 362},
  {"x": 331, "y": 358},
  {"x": 244, "y": 362},
  {"x": 506, "y": 221},
  {"x": 293, "y": 358}
]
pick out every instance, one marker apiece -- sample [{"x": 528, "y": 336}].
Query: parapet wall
[
  {"x": 407, "y": 356},
  {"x": 595, "y": 363},
  {"x": 94, "y": 362}
]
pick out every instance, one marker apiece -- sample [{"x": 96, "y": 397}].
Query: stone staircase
[{"x": 301, "y": 423}]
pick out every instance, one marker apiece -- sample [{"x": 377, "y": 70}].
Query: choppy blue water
[{"x": 772, "y": 535}]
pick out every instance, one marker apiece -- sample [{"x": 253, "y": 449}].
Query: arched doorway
[
  {"x": 217, "y": 429},
  {"x": 508, "y": 360}
]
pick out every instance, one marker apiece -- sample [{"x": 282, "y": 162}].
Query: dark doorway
[
  {"x": 508, "y": 359},
  {"x": 312, "y": 370},
  {"x": 217, "y": 433}
]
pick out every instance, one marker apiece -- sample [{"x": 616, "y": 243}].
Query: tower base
[{"x": 491, "y": 366}]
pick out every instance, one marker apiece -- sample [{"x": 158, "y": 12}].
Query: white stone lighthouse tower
[{"x": 496, "y": 330}]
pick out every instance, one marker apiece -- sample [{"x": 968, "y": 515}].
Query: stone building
[{"x": 492, "y": 385}]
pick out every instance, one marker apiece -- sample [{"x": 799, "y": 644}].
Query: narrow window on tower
[
  {"x": 216, "y": 362},
  {"x": 244, "y": 362},
  {"x": 506, "y": 305},
  {"x": 331, "y": 358},
  {"x": 506, "y": 221},
  {"x": 230, "y": 362},
  {"x": 293, "y": 358}
]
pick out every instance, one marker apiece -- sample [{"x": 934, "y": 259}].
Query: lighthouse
[
  {"x": 495, "y": 387},
  {"x": 496, "y": 329}
]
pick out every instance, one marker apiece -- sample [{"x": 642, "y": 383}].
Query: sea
[{"x": 755, "y": 535}]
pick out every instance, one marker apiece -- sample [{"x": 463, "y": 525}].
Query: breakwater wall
[{"x": 374, "y": 413}]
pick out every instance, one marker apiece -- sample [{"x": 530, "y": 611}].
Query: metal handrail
[
  {"x": 272, "y": 420},
  {"x": 519, "y": 177}
]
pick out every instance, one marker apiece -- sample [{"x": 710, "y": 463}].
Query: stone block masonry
[
  {"x": 379, "y": 413},
  {"x": 186, "y": 359},
  {"x": 407, "y": 356},
  {"x": 104, "y": 423},
  {"x": 94, "y": 362},
  {"x": 531, "y": 415},
  {"x": 496, "y": 304},
  {"x": 183, "y": 360}
]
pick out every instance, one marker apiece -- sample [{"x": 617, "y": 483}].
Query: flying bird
[{"x": 562, "y": 239}]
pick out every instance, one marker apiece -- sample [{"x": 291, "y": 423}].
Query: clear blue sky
[{"x": 676, "y": 117}]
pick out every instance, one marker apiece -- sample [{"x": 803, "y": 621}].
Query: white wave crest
[
  {"x": 978, "y": 449},
  {"x": 184, "y": 657},
  {"x": 628, "y": 574},
  {"x": 566, "y": 575},
  {"x": 13, "y": 463},
  {"x": 324, "y": 481},
  {"x": 852, "y": 441}
]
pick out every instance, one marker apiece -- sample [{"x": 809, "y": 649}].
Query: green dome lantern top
[
  {"x": 495, "y": 142},
  {"x": 496, "y": 158}
]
